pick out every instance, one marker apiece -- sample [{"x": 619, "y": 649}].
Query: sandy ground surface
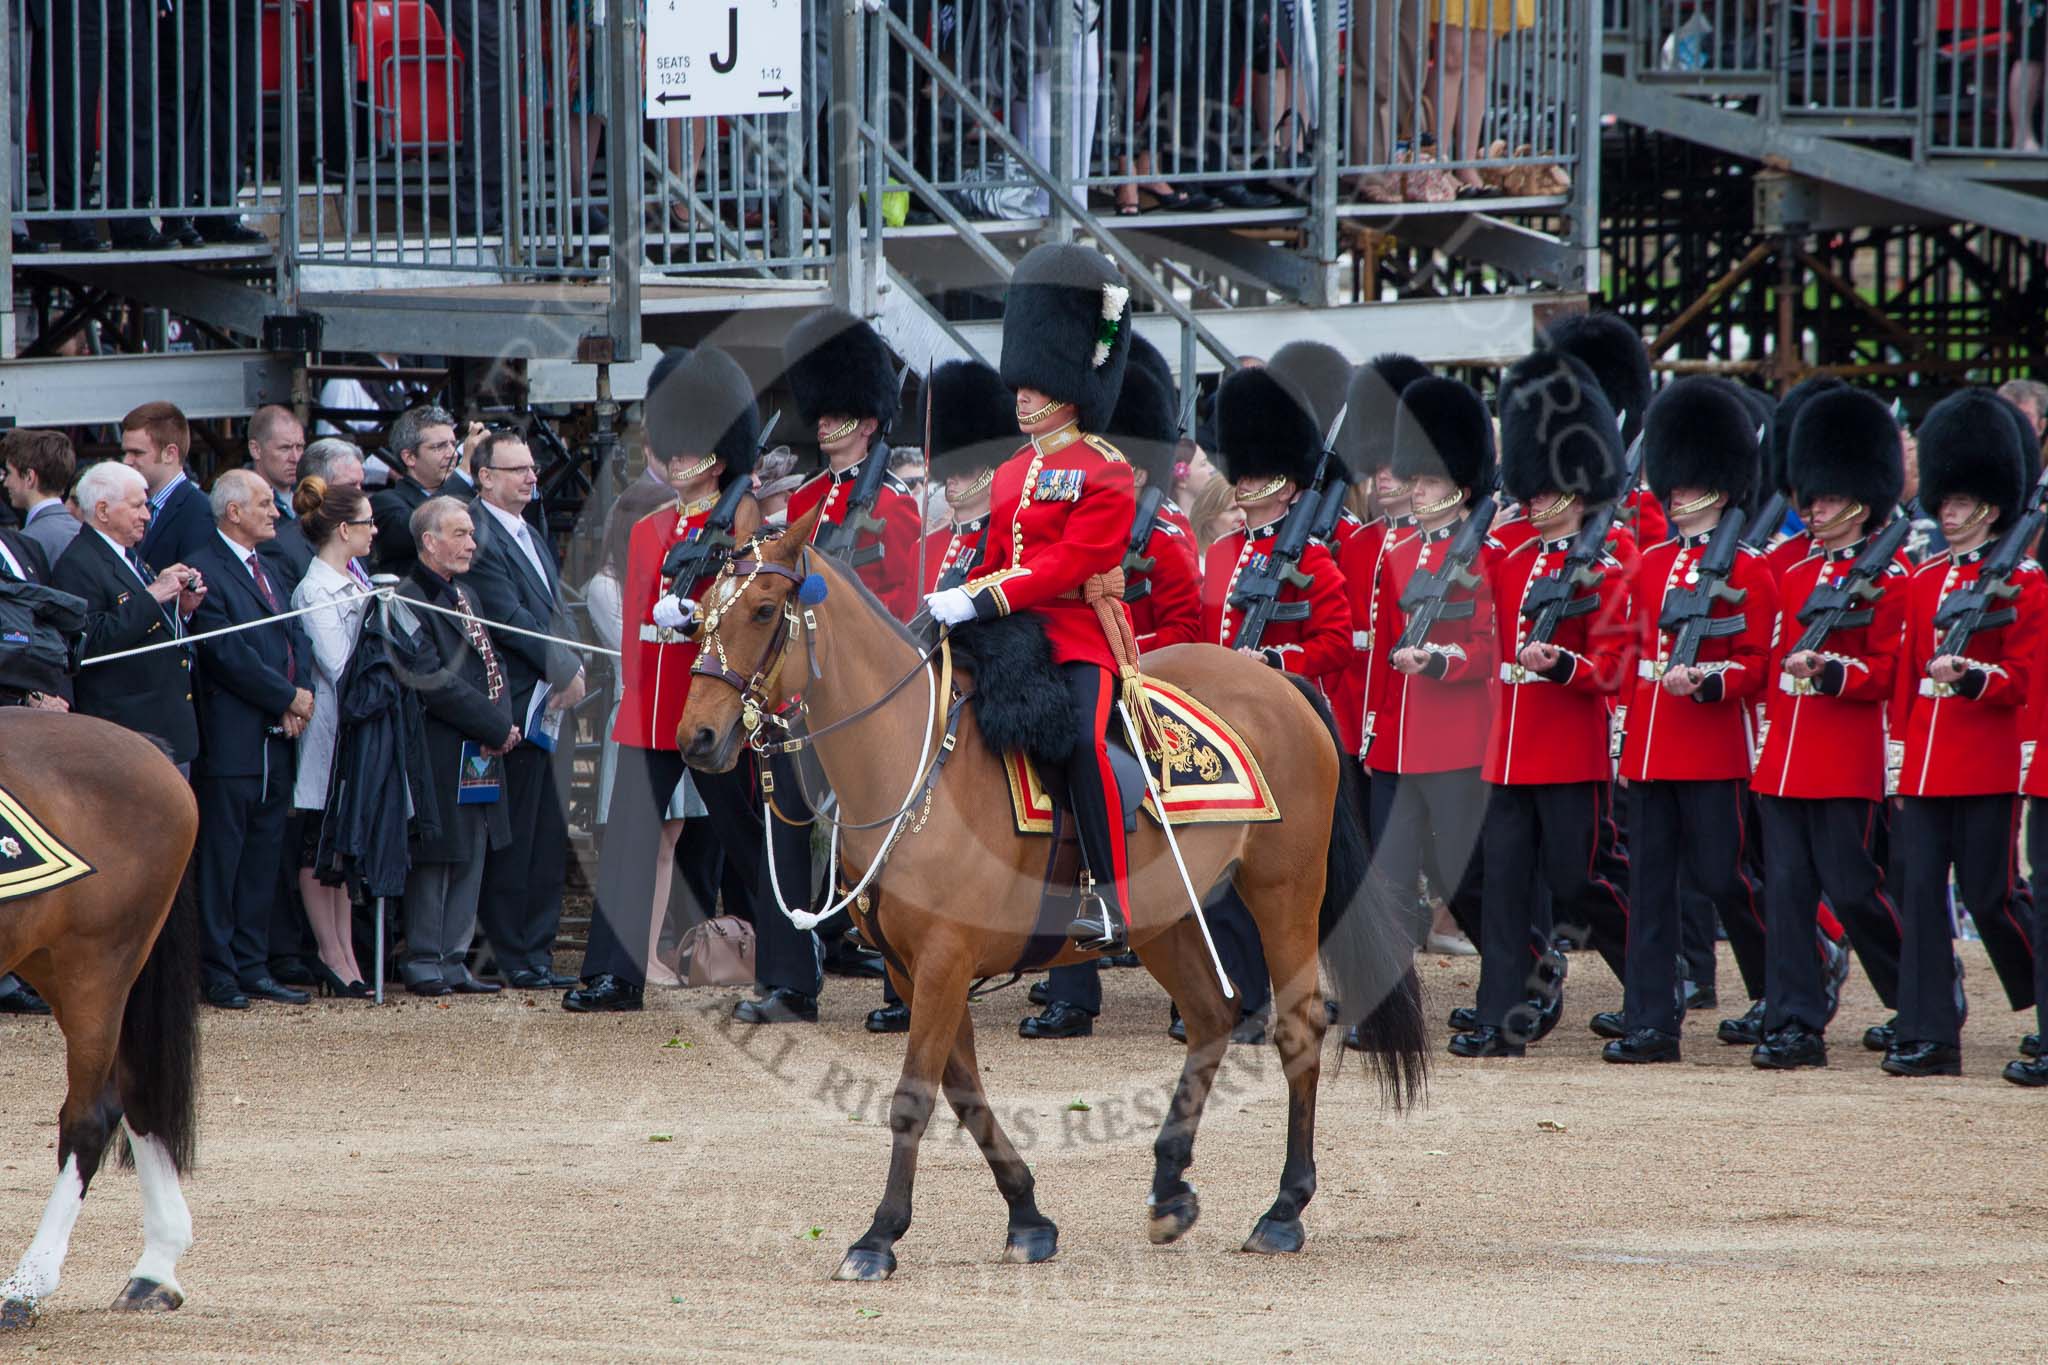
[{"x": 482, "y": 1181}]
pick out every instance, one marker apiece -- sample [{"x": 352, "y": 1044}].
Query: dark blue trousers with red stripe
[
  {"x": 1553, "y": 830},
  {"x": 1815, "y": 846},
  {"x": 1978, "y": 836},
  {"x": 1681, "y": 835},
  {"x": 1086, "y": 785}
]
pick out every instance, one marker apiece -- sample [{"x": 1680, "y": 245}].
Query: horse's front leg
[{"x": 940, "y": 989}]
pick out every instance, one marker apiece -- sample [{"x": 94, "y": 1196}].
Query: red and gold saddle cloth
[
  {"x": 31, "y": 858},
  {"x": 1208, "y": 776}
]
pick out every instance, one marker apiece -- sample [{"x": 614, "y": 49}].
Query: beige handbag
[{"x": 718, "y": 952}]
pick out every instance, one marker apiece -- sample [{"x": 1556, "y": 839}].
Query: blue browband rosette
[{"x": 812, "y": 590}]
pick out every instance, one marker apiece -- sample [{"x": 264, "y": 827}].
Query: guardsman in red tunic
[
  {"x": 1547, "y": 750},
  {"x": 702, "y": 421},
  {"x": 1269, "y": 446},
  {"x": 1686, "y": 752},
  {"x": 1061, "y": 512},
  {"x": 846, "y": 390},
  {"x": 2031, "y": 1069},
  {"x": 1959, "y": 784},
  {"x": 970, "y": 429},
  {"x": 1821, "y": 775},
  {"x": 1436, "y": 703}
]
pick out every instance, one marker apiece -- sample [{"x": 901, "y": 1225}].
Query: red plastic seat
[{"x": 413, "y": 70}]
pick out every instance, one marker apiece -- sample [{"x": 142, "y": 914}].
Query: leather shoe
[
  {"x": 1486, "y": 1041},
  {"x": 850, "y": 959},
  {"x": 469, "y": 985},
  {"x": 182, "y": 233},
  {"x": 291, "y": 971},
  {"x": 531, "y": 981},
  {"x": 266, "y": 988},
  {"x": 1235, "y": 195},
  {"x": 1923, "y": 1059},
  {"x": 226, "y": 998},
  {"x": 1464, "y": 1019},
  {"x": 137, "y": 236},
  {"x": 76, "y": 236},
  {"x": 1178, "y": 1029},
  {"x": 1642, "y": 1045},
  {"x": 23, "y": 1000},
  {"x": 1039, "y": 994},
  {"x": 603, "y": 994},
  {"x": 1882, "y": 1037},
  {"x": 432, "y": 988},
  {"x": 1059, "y": 1020},
  {"x": 1792, "y": 1046},
  {"x": 889, "y": 1019},
  {"x": 779, "y": 1006},
  {"x": 2034, "y": 1072},
  {"x": 1748, "y": 1031},
  {"x": 2030, "y": 1045},
  {"x": 1702, "y": 998},
  {"x": 1608, "y": 1024},
  {"x": 25, "y": 245},
  {"x": 229, "y": 232}
]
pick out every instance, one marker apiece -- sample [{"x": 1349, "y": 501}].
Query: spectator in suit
[
  {"x": 154, "y": 440},
  {"x": 423, "y": 441},
  {"x": 129, "y": 604},
  {"x": 39, "y": 467},
  {"x": 463, "y": 687},
  {"x": 277, "y": 445},
  {"x": 337, "y": 520},
  {"x": 254, "y": 700},
  {"x": 513, "y": 578}
]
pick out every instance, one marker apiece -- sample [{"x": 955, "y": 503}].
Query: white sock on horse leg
[
  {"x": 36, "y": 1277},
  {"x": 166, "y": 1222}
]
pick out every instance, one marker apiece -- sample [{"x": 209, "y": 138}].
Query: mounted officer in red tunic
[{"x": 1061, "y": 512}]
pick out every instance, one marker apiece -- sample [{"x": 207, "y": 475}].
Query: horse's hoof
[
  {"x": 16, "y": 1314},
  {"x": 862, "y": 1264},
  {"x": 1273, "y": 1236},
  {"x": 148, "y": 1296},
  {"x": 1030, "y": 1245},
  {"x": 1171, "y": 1220}
]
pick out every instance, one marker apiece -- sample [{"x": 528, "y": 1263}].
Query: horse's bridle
[{"x": 757, "y": 692}]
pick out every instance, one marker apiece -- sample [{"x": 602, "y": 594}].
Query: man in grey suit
[
  {"x": 515, "y": 581},
  {"x": 39, "y": 469}
]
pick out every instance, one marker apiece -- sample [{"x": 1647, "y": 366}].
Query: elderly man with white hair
[
  {"x": 128, "y": 605},
  {"x": 255, "y": 697}
]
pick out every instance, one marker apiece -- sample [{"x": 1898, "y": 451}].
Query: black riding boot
[{"x": 1104, "y": 922}]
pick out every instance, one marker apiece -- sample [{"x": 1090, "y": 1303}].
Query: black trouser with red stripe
[
  {"x": 1688, "y": 834},
  {"x": 1978, "y": 836},
  {"x": 1551, "y": 829},
  {"x": 1428, "y": 824},
  {"x": 2037, "y": 859},
  {"x": 1087, "y": 786},
  {"x": 1816, "y": 845}
]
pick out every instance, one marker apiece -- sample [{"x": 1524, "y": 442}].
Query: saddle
[{"x": 32, "y": 859}]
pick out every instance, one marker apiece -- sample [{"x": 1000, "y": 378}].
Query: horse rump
[
  {"x": 1019, "y": 699},
  {"x": 159, "y": 1057},
  {"x": 1364, "y": 947}
]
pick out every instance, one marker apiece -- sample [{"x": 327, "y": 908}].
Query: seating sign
[{"x": 708, "y": 59}]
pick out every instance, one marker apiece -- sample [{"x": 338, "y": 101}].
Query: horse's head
[{"x": 748, "y": 622}]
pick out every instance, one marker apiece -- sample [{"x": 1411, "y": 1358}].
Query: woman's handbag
[{"x": 718, "y": 952}]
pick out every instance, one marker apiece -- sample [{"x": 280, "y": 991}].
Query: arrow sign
[
  {"x": 723, "y": 57},
  {"x": 784, "y": 93},
  {"x": 669, "y": 96}
]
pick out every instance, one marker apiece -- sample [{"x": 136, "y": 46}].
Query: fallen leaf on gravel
[
  {"x": 867, "y": 1312},
  {"x": 661, "y": 1137},
  {"x": 1549, "y": 1126},
  {"x": 675, "y": 1298},
  {"x": 813, "y": 1234},
  {"x": 676, "y": 1041},
  {"x": 1080, "y": 1106}
]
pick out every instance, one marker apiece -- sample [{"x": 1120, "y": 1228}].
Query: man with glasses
[
  {"x": 514, "y": 581},
  {"x": 423, "y": 440}
]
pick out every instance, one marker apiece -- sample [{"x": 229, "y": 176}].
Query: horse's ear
[{"x": 791, "y": 542}]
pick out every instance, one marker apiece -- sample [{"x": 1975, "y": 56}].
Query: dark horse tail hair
[
  {"x": 1365, "y": 949},
  {"x": 159, "y": 1059}
]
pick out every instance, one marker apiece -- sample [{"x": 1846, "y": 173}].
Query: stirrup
[{"x": 1098, "y": 928}]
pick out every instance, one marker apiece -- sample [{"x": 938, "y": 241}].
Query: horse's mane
[{"x": 853, "y": 579}]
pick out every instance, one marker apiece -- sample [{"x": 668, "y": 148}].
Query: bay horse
[
  {"x": 957, "y": 899},
  {"x": 116, "y": 954}
]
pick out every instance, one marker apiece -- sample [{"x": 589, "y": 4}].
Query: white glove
[
  {"x": 951, "y": 607},
  {"x": 673, "y": 612}
]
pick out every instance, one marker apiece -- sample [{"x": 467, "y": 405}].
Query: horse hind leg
[
  {"x": 1180, "y": 962},
  {"x": 1032, "y": 1237},
  {"x": 166, "y": 1231}
]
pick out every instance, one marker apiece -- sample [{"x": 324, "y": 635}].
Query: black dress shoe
[
  {"x": 1038, "y": 995},
  {"x": 432, "y": 989},
  {"x": 137, "y": 236},
  {"x": 603, "y": 994},
  {"x": 1059, "y": 1020},
  {"x": 2030, "y": 1045},
  {"x": 888, "y": 1019},
  {"x": 469, "y": 985},
  {"x": 1235, "y": 195},
  {"x": 779, "y": 1006},
  {"x": 291, "y": 971},
  {"x": 1747, "y": 1031},
  {"x": 2034, "y": 1072},
  {"x": 1923, "y": 1059},
  {"x": 1122, "y": 960},
  {"x": 850, "y": 959},
  {"x": 1100, "y": 930},
  {"x": 1464, "y": 1019},
  {"x": 22, "y": 1000},
  {"x": 1791, "y": 1047},
  {"x": 1177, "y": 1029},
  {"x": 1702, "y": 998},
  {"x": 1486, "y": 1041},
  {"x": 79, "y": 237},
  {"x": 226, "y": 997},
  {"x": 1608, "y": 1024},
  {"x": 25, "y": 245},
  {"x": 229, "y": 232},
  {"x": 1642, "y": 1045},
  {"x": 182, "y": 232},
  {"x": 1882, "y": 1037},
  {"x": 531, "y": 981},
  {"x": 267, "y": 988}
]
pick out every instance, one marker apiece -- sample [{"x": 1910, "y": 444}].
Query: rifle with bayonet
[
  {"x": 1977, "y": 607},
  {"x": 839, "y": 538},
  {"x": 1838, "y": 606},
  {"x": 1554, "y": 597},
  {"x": 702, "y": 553},
  {"x": 1137, "y": 564},
  {"x": 1426, "y": 599},
  {"x": 1258, "y": 593},
  {"x": 1688, "y": 613}
]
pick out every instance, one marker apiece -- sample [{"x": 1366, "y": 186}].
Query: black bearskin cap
[
  {"x": 1145, "y": 427},
  {"x": 1056, "y": 337},
  {"x": 838, "y": 365},
  {"x": 1557, "y": 431},
  {"x": 1778, "y": 450},
  {"x": 702, "y": 403},
  {"x": 1615, "y": 354},
  {"x": 1317, "y": 371},
  {"x": 1442, "y": 427},
  {"x": 1760, "y": 406},
  {"x": 1845, "y": 442},
  {"x": 973, "y": 421},
  {"x": 1366, "y": 441},
  {"x": 2030, "y": 443},
  {"x": 1146, "y": 354},
  {"x": 1699, "y": 433},
  {"x": 1968, "y": 445},
  {"x": 1264, "y": 429}
]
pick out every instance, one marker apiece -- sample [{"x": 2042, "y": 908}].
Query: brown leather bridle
[{"x": 757, "y": 692}]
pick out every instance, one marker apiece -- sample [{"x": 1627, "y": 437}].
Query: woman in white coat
[{"x": 339, "y": 527}]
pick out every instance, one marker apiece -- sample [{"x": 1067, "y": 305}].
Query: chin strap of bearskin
[{"x": 1105, "y": 593}]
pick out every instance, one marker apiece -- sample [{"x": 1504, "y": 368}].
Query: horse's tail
[
  {"x": 1365, "y": 950},
  {"x": 159, "y": 1059}
]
